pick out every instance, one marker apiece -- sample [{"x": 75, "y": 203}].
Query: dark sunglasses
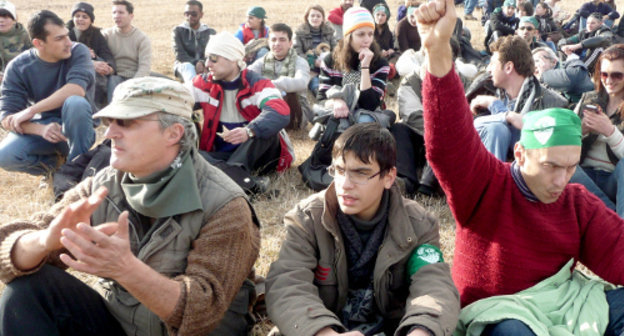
[
  {"x": 616, "y": 75},
  {"x": 213, "y": 58},
  {"x": 529, "y": 28},
  {"x": 124, "y": 123},
  {"x": 191, "y": 14}
]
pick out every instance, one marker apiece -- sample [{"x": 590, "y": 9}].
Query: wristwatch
[{"x": 250, "y": 132}]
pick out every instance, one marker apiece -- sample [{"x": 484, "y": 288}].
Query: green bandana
[
  {"x": 509, "y": 3},
  {"x": 166, "y": 193},
  {"x": 530, "y": 19},
  {"x": 411, "y": 10},
  {"x": 550, "y": 127},
  {"x": 381, "y": 8}
]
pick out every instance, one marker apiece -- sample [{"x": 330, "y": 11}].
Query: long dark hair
[{"x": 346, "y": 59}]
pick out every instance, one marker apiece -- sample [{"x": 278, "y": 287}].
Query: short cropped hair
[
  {"x": 515, "y": 49},
  {"x": 195, "y": 3},
  {"x": 128, "y": 4},
  {"x": 282, "y": 27},
  {"x": 596, "y": 15},
  {"x": 368, "y": 141},
  {"x": 37, "y": 22}
]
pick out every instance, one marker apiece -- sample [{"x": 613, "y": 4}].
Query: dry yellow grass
[{"x": 21, "y": 195}]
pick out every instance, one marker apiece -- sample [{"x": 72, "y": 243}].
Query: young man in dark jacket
[
  {"x": 189, "y": 41},
  {"x": 358, "y": 258}
]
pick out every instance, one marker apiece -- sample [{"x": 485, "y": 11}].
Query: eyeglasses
[
  {"x": 356, "y": 177},
  {"x": 213, "y": 58},
  {"x": 191, "y": 14},
  {"x": 527, "y": 28},
  {"x": 616, "y": 75},
  {"x": 124, "y": 123}
]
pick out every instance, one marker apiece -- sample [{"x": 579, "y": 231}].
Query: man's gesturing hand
[{"x": 102, "y": 252}]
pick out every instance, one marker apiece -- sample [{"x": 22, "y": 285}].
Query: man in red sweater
[
  {"x": 335, "y": 17},
  {"x": 518, "y": 223}
]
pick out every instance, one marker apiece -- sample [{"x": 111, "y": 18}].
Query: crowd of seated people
[{"x": 360, "y": 257}]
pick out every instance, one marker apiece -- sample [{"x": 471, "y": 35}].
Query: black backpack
[{"x": 314, "y": 169}]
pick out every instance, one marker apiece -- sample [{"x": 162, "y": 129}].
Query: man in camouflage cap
[{"x": 171, "y": 238}]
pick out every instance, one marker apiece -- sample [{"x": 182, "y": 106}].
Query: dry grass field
[{"x": 21, "y": 195}]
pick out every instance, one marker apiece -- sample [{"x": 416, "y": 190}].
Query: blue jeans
[
  {"x": 608, "y": 186},
  {"x": 615, "y": 299},
  {"x": 34, "y": 155},
  {"x": 186, "y": 70},
  {"x": 497, "y": 136},
  {"x": 313, "y": 85},
  {"x": 469, "y": 6},
  {"x": 113, "y": 81}
]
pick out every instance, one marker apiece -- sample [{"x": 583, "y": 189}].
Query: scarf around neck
[
  {"x": 288, "y": 65},
  {"x": 169, "y": 192}
]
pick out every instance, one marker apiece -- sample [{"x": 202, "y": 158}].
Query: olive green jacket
[{"x": 307, "y": 286}]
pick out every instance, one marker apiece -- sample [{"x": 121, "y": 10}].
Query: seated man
[
  {"x": 571, "y": 78},
  {"x": 606, "y": 11},
  {"x": 503, "y": 22},
  {"x": 335, "y": 17},
  {"x": 521, "y": 224},
  {"x": 289, "y": 72},
  {"x": 46, "y": 100},
  {"x": 358, "y": 256},
  {"x": 170, "y": 237},
  {"x": 189, "y": 42},
  {"x": 591, "y": 40},
  {"x": 528, "y": 30},
  {"x": 14, "y": 38},
  {"x": 131, "y": 48},
  {"x": 243, "y": 115},
  {"x": 511, "y": 67}
]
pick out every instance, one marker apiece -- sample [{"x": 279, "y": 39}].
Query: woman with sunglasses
[
  {"x": 601, "y": 168},
  {"x": 312, "y": 33},
  {"x": 81, "y": 29}
]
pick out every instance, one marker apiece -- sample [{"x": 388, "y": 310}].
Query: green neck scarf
[
  {"x": 165, "y": 193},
  {"x": 288, "y": 66}
]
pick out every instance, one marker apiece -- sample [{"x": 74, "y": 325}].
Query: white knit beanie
[{"x": 227, "y": 45}]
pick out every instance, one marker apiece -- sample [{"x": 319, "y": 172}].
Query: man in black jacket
[{"x": 189, "y": 41}]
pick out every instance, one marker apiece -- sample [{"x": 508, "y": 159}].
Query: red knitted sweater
[{"x": 505, "y": 243}]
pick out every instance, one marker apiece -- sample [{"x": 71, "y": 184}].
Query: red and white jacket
[{"x": 257, "y": 100}]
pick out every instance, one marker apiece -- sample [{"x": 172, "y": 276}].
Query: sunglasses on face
[
  {"x": 213, "y": 58},
  {"x": 527, "y": 28},
  {"x": 616, "y": 75},
  {"x": 191, "y": 14},
  {"x": 124, "y": 123}
]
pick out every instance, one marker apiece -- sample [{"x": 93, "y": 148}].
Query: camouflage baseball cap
[{"x": 139, "y": 97}]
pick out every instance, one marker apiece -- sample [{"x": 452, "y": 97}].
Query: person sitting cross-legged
[{"x": 358, "y": 258}]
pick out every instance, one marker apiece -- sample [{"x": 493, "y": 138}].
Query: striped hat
[{"x": 356, "y": 17}]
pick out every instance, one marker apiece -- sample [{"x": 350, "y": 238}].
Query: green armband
[{"x": 423, "y": 255}]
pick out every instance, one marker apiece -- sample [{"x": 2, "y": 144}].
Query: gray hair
[
  {"x": 550, "y": 54},
  {"x": 189, "y": 138}
]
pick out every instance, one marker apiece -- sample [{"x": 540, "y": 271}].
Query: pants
[
  {"x": 410, "y": 154},
  {"x": 34, "y": 155},
  {"x": 497, "y": 136},
  {"x": 113, "y": 81},
  {"x": 186, "y": 70},
  {"x": 469, "y": 6},
  {"x": 608, "y": 186},
  {"x": 53, "y": 302},
  {"x": 615, "y": 299}
]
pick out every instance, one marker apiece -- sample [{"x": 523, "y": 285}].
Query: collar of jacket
[
  {"x": 402, "y": 235},
  {"x": 305, "y": 29},
  {"x": 201, "y": 28}
]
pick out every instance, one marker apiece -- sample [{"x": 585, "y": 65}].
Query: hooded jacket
[{"x": 189, "y": 44}]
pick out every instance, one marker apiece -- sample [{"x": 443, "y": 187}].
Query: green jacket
[
  {"x": 13, "y": 43},
  {"x": 307, "y": 286},
  {"x": 547, "y": 308}
]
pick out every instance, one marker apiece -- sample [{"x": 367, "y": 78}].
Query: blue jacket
[
  {"x": 28, "y": 79},
  {"x": 602, "y": 8}
]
